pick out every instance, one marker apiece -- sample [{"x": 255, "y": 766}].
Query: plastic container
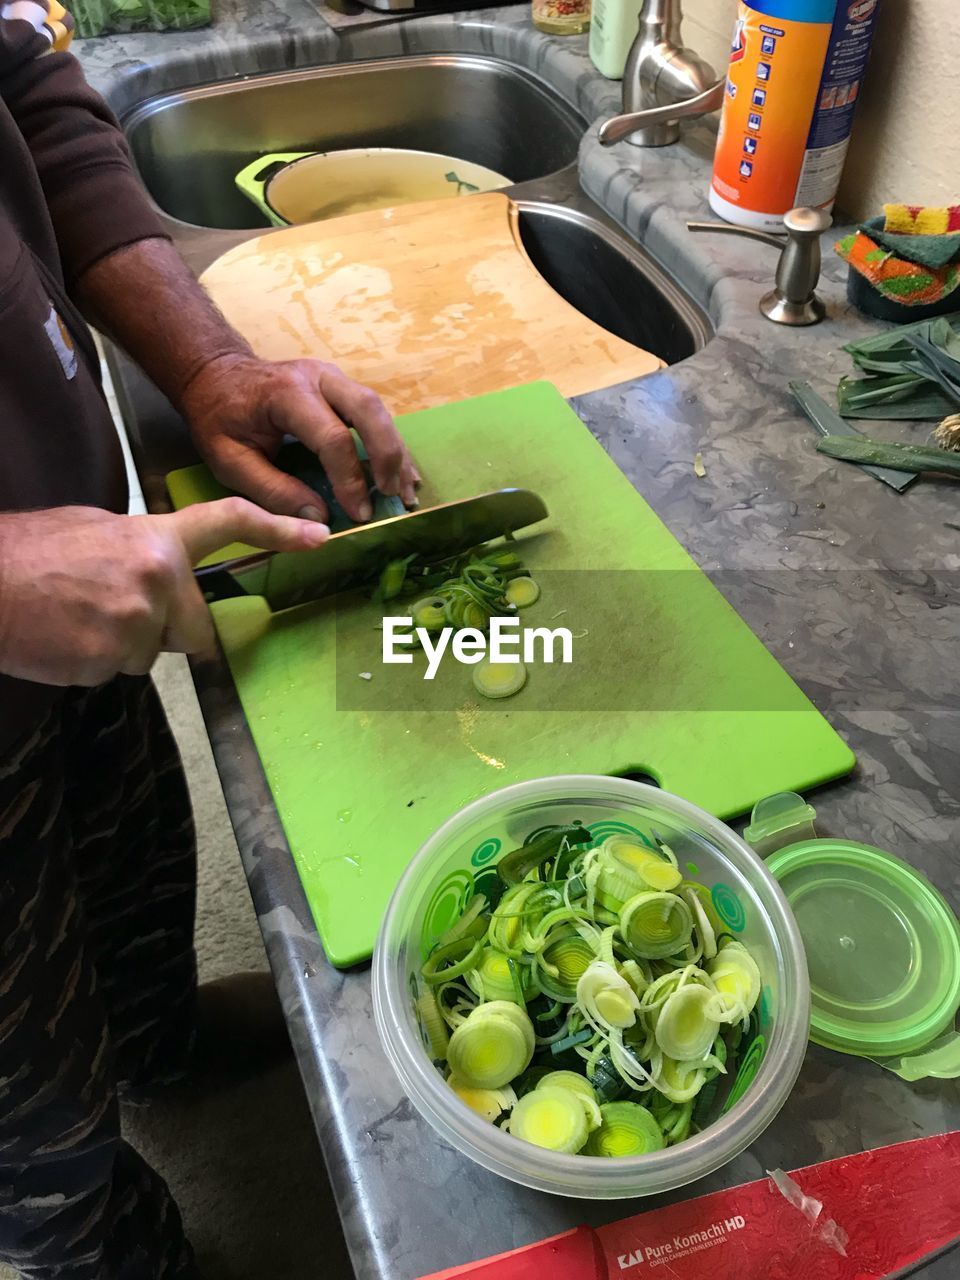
[
  {"x": 455, "y": 862},
  {"x": 613, "y": 29},
  {"x": 795, "y": 75},
  {"x": 884, "y": 953},
  {"x": 778, "y": 820}
]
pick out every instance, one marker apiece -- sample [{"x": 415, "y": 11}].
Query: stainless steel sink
[
  {"x": 590, "y": 263},
  {"x": 189, "y": 145}
]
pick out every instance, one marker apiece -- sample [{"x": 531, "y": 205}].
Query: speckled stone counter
[{"x": 854, "y": 588}]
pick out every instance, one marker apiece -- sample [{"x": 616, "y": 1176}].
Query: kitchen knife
[{"x": 356, "y": 556}]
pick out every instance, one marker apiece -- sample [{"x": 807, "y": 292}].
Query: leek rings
[
  {"x": 492, "y": 1046},
  {"x": 656, "y": 925},
  {"x": 550, "y": 1118},
  {"x": 626, "y": 1129}
]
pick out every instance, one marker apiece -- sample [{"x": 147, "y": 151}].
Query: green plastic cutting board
[{"x": 667, "y": 679}]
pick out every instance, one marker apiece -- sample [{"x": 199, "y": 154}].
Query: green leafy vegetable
[
  {"x": 900, "y": 457},
  {"x": 105, "y": 17},
  {"x": 913, "y": 372},
  {"x": 898, "y": 395}
]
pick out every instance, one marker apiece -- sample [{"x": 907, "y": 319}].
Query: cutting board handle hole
[{"x": 638, "y": 773}]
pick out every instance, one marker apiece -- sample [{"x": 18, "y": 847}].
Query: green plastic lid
[{"x": 882, "y": 944}]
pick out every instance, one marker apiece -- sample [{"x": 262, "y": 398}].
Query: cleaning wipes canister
[{"x": 796, "y": 72}]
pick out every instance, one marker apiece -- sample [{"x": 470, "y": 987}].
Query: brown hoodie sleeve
[{"x": 96, "y": 202}]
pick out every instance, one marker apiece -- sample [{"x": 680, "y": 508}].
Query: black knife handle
[{"x": 217, "y": 584}]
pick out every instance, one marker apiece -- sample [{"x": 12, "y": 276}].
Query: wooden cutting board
[{"x": 426, "y": 303}]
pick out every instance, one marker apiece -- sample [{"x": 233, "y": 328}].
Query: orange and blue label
[{"x": 795, "y": 74}]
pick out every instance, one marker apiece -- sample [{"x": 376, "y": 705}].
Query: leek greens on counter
[
  {"x": 912, "y": 372},
  {"x": 901, "y": 457}
]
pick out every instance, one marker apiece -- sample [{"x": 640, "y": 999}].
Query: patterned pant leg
[
  {"x": 135, "y": 856},
  {"x": 76, "y": 1202}
]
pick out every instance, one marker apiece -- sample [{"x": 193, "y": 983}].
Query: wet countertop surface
[{"x": 853, "y": 587}]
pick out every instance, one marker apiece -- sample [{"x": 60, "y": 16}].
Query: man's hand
[
  {"x": 240, "y": 408},
  {"x": 85, "y": 594}
]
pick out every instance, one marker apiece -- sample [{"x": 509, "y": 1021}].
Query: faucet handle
[
  {"x": 794, "y": 300},
  {"x": 620, "y": 127}
]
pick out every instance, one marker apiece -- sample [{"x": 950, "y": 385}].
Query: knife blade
[{"x": 355, "y": 556}]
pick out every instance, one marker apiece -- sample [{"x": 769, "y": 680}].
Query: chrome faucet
[{"x": 663, "y": 82}]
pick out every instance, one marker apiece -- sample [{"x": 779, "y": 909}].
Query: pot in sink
[{"x": 294, "y": 187}]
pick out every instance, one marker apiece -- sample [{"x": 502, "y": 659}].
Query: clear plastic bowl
[{"x": 455, "y": 861}]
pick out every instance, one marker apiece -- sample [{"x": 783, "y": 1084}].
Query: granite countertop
[{"x": 853, "y": 587}]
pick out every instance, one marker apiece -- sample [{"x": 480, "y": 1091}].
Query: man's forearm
[{"x": 147, "y": 300}]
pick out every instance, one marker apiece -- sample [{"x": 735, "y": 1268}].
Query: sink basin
[
  {"x": 611, "y": 280},
  {"x": 189, "y": 145}
]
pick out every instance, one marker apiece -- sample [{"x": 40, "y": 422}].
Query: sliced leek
[
  {"x": 606, "y": 999},
  {"x": 701, "y": 922},
  {"x": 656, "y": 925},
  {"x": 736, "y": 977},
  {"x": 517, "y": 865},
  {"x": 432, "y": 1022},
  {"x": 522, "y": 592},
  {"x": 626, "y": 1129},
  {"x": 675, "y": 1119},
  {"x": 688, "y": 1023},
  {"x": 492, "y": 1046},
  {"x": 498, "y": 679},
  {"x": 494, "y": 977},
  {"x": 589, "y": 975},
  {"x": 569, "y": 1080},
  {"x": 627, "y": 868},
  {"x": 489, "y": 1104},
  {"x": 565, "y": 958},
  {"x": 679, "y": 1081},
  {"x": 552, "y": 1118},
  {"x": 451, "y": 959},
  {"x": 465, "y": 590},
  {"x": 578, "y": 1085},
  {"x": 429, "y": 613}
]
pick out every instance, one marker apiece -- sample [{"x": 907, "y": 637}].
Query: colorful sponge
[
  {"x": 915, "y": 220},
  {"x": 910, "y": 256}
]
